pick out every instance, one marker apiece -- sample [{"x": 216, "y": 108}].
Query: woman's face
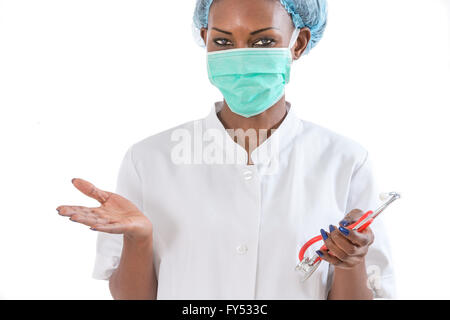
[{"x": 251, "y": 24}]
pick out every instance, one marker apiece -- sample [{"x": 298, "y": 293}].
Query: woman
[{"x": 218, "y": 208}]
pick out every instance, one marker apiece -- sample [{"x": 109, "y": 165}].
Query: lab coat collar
[{"x": 266, "y": 152}]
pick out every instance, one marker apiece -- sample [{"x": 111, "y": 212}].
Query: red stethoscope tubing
[{"x": 301, "y": 254}]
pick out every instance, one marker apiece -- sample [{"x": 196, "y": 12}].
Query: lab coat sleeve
[
  {"x": 109, "y": 246},
  {"x": 364, "y": 194}
]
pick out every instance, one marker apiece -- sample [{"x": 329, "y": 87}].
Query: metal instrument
[{"x": 308, "y": 265}]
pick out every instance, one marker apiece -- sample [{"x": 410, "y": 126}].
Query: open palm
[{"x": 116, "y": 214}]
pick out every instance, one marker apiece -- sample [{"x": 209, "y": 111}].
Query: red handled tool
[{"x": 308, "y": 265}]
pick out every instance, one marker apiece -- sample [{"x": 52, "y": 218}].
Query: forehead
[{"x": 248, "y": 14}]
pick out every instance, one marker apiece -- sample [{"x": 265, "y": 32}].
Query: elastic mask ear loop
[
  {"x": 293, "y": 39},
  {"x": 206, "y": 40}
]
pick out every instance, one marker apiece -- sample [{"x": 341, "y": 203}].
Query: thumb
[
  {"x": 90, "y": 190},
  {"x": 351, "y": 217}
]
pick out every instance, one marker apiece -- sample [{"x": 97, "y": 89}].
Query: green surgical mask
[{"x": 251, "y": 79}]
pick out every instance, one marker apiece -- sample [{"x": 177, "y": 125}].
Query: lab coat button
[
  {"x": 242, "y": 249},
  {"x": 248, "y": 174}
]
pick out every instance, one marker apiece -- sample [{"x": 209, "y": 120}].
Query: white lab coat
[{"x": 233, "y": 231}]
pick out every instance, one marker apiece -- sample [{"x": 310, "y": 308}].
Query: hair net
[{"x": 304, "y": 13}]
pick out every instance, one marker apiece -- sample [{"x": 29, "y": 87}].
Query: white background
[{"x": 80, "y": 81}]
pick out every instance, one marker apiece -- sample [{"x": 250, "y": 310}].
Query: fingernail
[
  {"x": 344, "y": 223},
  {"x": 57, "y": 209},
  {"x": 320, "y": 253},
  {"x": 332, "y": 228},
  {"x": 324, "y": 234},
  {"x": 344, "y": 231},
  {"x": 73, "y": 179},
  {"x": 93, "y": 229}
]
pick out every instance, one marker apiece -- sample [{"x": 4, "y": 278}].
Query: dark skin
[
  {"x": 266, "y": 24},
  {"x": 252, "y": 24},
  {"x": 135, "y": 277}
]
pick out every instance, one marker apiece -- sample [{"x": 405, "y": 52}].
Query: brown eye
[
  {"x": 264, "y": 42},
  {"x": 221, "y": 42}
]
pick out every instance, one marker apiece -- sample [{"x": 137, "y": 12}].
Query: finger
[
  {"x": 344, "y": 222},
  {"x": 90, "y": 190},
  {"x": 361, "y": 239},
  {"x": 116, "y": 228},
  {"x": 88, "y": 219},
  {"x": 335, "y": 250},
  {"x": 343, "y": 243},
  {"x": 351, "y": 217},
  {"x": 325, "y": 255},
  {"x": 328, "y": 257},
  {"x": 71, "y": 210}
]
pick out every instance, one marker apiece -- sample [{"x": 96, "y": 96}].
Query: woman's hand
[
  {"x": 346, "y": 248},
  {"x": 115, "y": 214}
]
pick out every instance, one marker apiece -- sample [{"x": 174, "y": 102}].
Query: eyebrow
[{"x": 252, "y": 33}]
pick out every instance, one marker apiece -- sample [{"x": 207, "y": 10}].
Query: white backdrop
[{"x": 80, "y": 81}]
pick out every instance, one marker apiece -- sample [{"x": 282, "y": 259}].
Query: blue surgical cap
[{"x": 304, "y": 13}]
